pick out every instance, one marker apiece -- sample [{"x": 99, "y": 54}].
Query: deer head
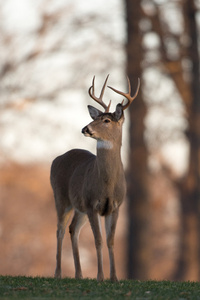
[{"x": 107, "y": 126}]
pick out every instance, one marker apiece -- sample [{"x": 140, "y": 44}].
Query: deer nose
[{"x": 86, "y": 131}]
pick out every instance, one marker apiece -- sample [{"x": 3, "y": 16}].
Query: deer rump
[{"x": 69, "y": 178}]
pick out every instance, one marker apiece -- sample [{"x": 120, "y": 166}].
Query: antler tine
[
  {"x": 127, "y": 95},
  {"x": 100, "y": 99}
]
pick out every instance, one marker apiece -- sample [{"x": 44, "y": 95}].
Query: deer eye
[{"x": 107, "y": 121}]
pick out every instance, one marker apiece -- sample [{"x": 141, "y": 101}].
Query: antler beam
[
  {"x": 100, "y": 99},
  {"x": 127, "y": 95}
]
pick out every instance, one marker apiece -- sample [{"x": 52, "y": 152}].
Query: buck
[{"x": 92, "y": 185}]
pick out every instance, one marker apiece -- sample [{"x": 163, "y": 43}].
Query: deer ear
[
  {"x": 118, "y": 112},
  {"x": 94, "y": 112}
]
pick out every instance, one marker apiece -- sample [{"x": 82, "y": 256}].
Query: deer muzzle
[{"x": 86, "y": 131}]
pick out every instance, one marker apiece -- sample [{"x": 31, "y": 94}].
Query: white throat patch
[{"x": 104, "y": 145}]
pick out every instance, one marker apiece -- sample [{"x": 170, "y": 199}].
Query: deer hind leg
[
  {"x": 77, "y": 223},
  {"x": 62, "y": 223},
  {"x": 110, "y": 225},
  {"x": 94, "y": 219}
]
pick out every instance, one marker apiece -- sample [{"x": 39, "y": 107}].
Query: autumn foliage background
[{"x": 49, "y": 52}]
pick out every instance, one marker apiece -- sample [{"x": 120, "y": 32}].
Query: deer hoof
[
  {"x": 57, "y": 274},
  {"x": 100, "y": 278},
  {"x": 114, "y": 279},
  {"x": 79, "y": 276}
]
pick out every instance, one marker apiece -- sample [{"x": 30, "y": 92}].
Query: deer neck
[{"x": 108, "y": 158}]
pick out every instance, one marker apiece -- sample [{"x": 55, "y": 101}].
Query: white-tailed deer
[{"x": 92, "y": 185}]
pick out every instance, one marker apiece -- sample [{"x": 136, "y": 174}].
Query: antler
[
  {"x": 100, "y": 99},
  {"x": 127, "y": 95}
]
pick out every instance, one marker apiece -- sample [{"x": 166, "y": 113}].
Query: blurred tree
[
  {"x": 137, "y": 171},
  {"x": 49, "y": 53},
  {"x": 175, "y": 49},
  {"x": 189, "y": 260}
]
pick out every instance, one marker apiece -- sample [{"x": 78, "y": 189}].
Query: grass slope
[{"x": 49, "y": 288}]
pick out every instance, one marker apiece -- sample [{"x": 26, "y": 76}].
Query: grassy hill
[{"x": 49, "y": 288}]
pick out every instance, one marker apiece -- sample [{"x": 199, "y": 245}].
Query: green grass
[{"x": 49, "y": 288}]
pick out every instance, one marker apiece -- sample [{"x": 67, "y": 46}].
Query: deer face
[{"x": 106, "y": 126}]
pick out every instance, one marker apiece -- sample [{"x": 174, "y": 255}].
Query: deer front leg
[
  {"x": 94, "y": 219},
  {"x": 110, "y": 224},
  {"x": 60, "y": 235},
  {"x": 78, "y": 221}
]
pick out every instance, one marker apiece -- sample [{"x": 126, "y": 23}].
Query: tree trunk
[
  {"x": 189, "y": 262},
  {"x": 137, "y": 264}
]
